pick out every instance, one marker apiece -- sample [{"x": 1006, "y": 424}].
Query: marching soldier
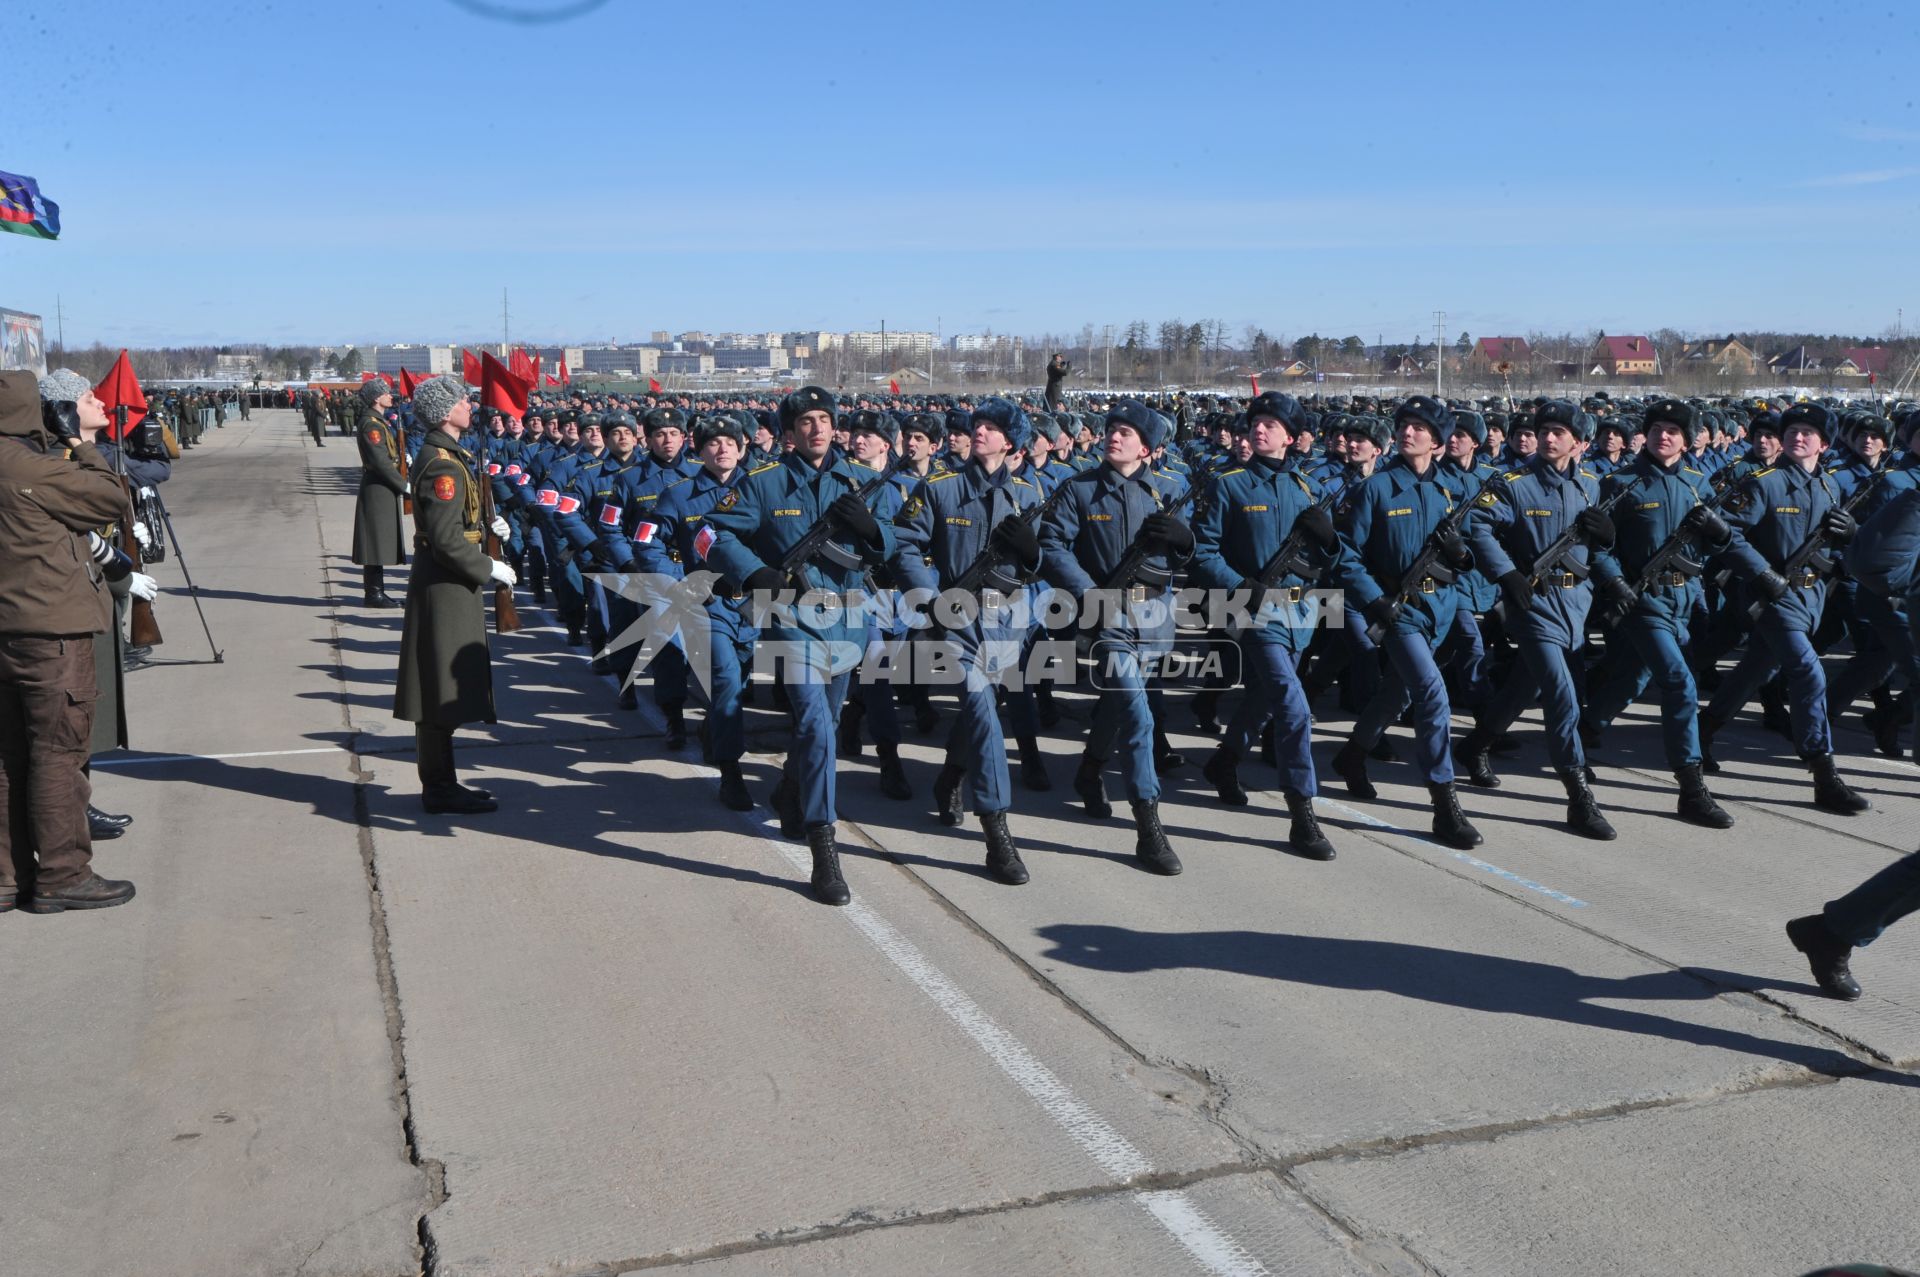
[
  {"x": 820, "y": 638},
  {"x": 446, "y": 672},
  {"x": 377, "y": 535}
]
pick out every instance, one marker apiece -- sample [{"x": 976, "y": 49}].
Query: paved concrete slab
[{"x": 1767, "y": 1183}]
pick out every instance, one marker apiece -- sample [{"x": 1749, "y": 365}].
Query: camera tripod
[{"x": 219, "y": 657}]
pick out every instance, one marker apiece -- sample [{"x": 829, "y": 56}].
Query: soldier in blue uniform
[
  {"x": 1668, "y": 496},
  {"x": 669, "y": 537},
  {"x": 821, "y": 636},
  {"x": 1083, "y": 540},
  {"x": 1515, "y": 518},
  {"x": 1251, "y": 511},
  {"x": 1384, "y": 528},
  {"x": 1464, "y": 654},
  {"x": 1773, "y": 514},
  {"x": 636, "y": 483},
  {"x": 872, "y": 436},
  {"x": 946, "y": 525}
]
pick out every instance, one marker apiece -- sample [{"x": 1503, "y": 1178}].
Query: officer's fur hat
[
  {"x": 370, "y": 391},
  {"x": 1373, "y": 429},
  {"x": 1008, "y": 418},
  {"x": 708, "y": 428},
  {"x": 1426, "y": 411},
  {"x": 1814, "y": 416},
  {"x": 1677, "y": 411},
  {"x": 1558, "y": 412},
  {"x": 665, "y": 419},
  {"x": 874, "y": 422},
  {"x": 1148, "y": 424},
  {"x": 1284, "y": 409},
  {"x": 1471, "y": 424},
  {"x": 435, "y": 397},
  {"x": 804, "y": 400}
]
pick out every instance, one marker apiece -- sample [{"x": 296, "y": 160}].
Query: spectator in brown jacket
[{"x": 52, "y": 602}]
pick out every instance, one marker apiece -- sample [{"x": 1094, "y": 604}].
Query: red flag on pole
[
  {"x": 367, "y": 376},
  {"x": 653, "y": 386},
  {"x": 500, "y": 388},
  {"x": 565, "y": 376},
  {"x": 407, "y": 382},
  {"x": 893, "y": 387},
  {"x": 520, "y": 366},
  {"x": 534, "y": 380},
  {"x": 469, "y": 367},
  {"x": 552, "y": 380},
  {"x": 1256, "y": 384},
  {"x": 121, "y": 389}
]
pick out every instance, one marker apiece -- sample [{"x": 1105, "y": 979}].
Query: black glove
[
  {"x": 1015, "y": 538},
  {"x": 766, "y": 581},
  {"x": 1595, "y": 527},
  {"x": 1706, "y": 526},
  {"x": 1839, "y": 526},
  {"x": 851, "y": 513},
  {"x": 1317, "y": 526},
  {"x": 1770, "y": 586},
  {"x": 1617, "y": 595},
  {"x": 1455, "y": 551},
  {"x": 1168, "y": 531},
  {"x": 1380, "y": 612},
  {"x": 1518, "y": 589}
]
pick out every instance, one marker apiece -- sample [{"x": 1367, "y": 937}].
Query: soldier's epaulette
[
  {"x": 771, "y": 465},
  {"x": 677, "y": 483},
  {"x": 942, "y": 476},
  {"x": 861, "y": 465},
  {"x": 1227, "y": 474},
  {"x": 1588, "y": 474},
  {"x": 1511, "y": 475},
  {"x": 1305, "y": 485},
  {"x": 1022, "y": 482},
  {"x": 1761, "y": 474},
  {"x": 1691, "y": 470}
]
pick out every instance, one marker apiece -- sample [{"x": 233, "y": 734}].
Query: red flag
[
  {"x": 552, "y": 380},
  {"x": 121, "y": 389},
  {"x": 1256, "y": 384},
  {"x": 893, "y": 387},
  {"x": 387, "y": 377},
  {"x": 534, "y": 380},
  {"x": 565, "y": 376},
  {"x": 520, "y": 366},
  {"x": 469, "y": 367},
  {"x": 407, "y": 382},
  {"x": 500, "y": 388},
  {"x": 653, "y": 386},
  {"x": 368, "y": 376}
]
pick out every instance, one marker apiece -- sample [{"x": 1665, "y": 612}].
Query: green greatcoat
[
  {"x": 446, "y": 673},
  {"x": 378, "y": 531}
]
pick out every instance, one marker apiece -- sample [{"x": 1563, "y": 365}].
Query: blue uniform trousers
[
  {"x": 876, "y": 694},
  {"x": 1465, "y": 653},
  {"x": 1545, "y": 671},
  {"x": 1122, "y": 718},
  {"x": 814, "y": 698},
  {"x": 1776, "y": 647},
  {"x": 1271, "y": 672},
  {"x": 1876, "y": 904},
  {"x": 975, "y": 742},
  {"x": 726, "y": 725},
  {"x": 1412, "y": 679},
  {"x": 1658, "y": 656},
  {"x": 1884, "y": 648}
]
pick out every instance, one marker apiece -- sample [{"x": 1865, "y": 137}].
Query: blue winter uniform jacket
[
  {"x": 672, "y": 536},
  {"x": 1773, "y": 514},
  {"x": 1517, "y": 517},
  {"x": 1090, "y": 530},
  {"x": 1384, "y": 523},
  {"x": 1645, "y": 521},
  {"x": 1240, "y": 527}
]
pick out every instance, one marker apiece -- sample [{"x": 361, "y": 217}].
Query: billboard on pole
[{"x": 23, "y": 342}]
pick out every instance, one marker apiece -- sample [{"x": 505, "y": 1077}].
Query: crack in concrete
[{"x": 432, "y": 1170}]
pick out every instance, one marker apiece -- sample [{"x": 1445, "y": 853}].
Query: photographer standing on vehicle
[{"x": 52, "y": 603}]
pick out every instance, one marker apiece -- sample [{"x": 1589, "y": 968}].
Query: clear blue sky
[{"x": 361, "y": 170}]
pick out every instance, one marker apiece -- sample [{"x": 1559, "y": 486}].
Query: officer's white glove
[
  {"x": 503, "y": 575},
  {"x": 142, "y": 586},
  {"x": 144, "y": 537},
  {"x": 99, "y": 548},
  {"x": 499, "y": 528}
]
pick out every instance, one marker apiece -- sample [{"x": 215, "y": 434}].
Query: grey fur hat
[
  {"x": 435, "y": 397},
  {"x": 64, "y": 386},
  {"x": 372, "y": 390}
]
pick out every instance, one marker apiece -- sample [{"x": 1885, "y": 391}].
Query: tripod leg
[{"x": 166, "y": 517}]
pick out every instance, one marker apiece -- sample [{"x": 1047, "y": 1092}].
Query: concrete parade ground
[{"x": 607, "y": 1029}]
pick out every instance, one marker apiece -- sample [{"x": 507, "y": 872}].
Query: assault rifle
[
  {"x": 1558, "y": 556},
  {"x": 1812, "y": 556},
  {"x": 506, "y": 617},
  {"x": 1676, "y": 553},
  {"x": 1291, "y": 558},
  {"x": 1131, "y": 566},
  {"x": 991, "y": 563},
  {"x": 819, "y": 538},
  {"x": 1430, "y": 562}
]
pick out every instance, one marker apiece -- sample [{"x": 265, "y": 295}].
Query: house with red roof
[
  {"x": 1489, "y": 353},
  {"x": 1863, "y": 361},
  {"x": 1632, "y": 356}
]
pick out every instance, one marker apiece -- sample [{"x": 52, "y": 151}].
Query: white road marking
[
  {"x": 1572, "y": 902},
  {"x": 142, "y": 760}
]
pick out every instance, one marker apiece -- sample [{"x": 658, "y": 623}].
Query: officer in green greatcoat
[
  {"x": 446, "y": 672},
  {"x": 378, "y": 534}
]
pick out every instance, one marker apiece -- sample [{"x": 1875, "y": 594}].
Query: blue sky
[{"x": 378, "y": 171}]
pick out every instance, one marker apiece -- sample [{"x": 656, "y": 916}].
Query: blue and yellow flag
[{"x": 24, "y": 211}]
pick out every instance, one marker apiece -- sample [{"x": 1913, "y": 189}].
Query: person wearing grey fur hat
[
  {"x": 64, "y": 385},
  {"x": 435, "y": 397}
]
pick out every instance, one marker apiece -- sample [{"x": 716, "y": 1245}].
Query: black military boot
[
  {"x": 1697, "y": 806},
  {"x": 946, "y": 794},
  {"x": 1827, "y": 955},
  {"x": 1888, "y": 720},
  {"x": 1003, "y": 858},
  {"x": 733, "y": 788},
  {"x": 1830, "y": 793},
  {"x": 629, "y": 698},
  {"x": 1774, "y": 715},
  {"x": 786, "y": 805},
  {"x": 893, "y": 777},
  {"x": 1165, "y": 757},
  {"x": 1222, "y": 769},
  {"x": 1351, "y": 763},
  {"x": 574, "y": 638},
  {"x": 1473, "y": 759},
  {"x": 1091, "y": 788},
  {"x": 1709, "y": 728},
  {"x": 852, "y": 714},
  {"x": 92, "y": 892},
  {"x": 1150, "y": 841},
  {"x": 925, "y": 716},
  {"x": 1033, "y": 766},
  {"x": 1206, "y": 705},
  {"x": 1583, "y": 813},
  {"x": 829, "y": 888},
  {"x": 1043, "y": 702},
  {"x": 676, "y": 727},
  {"x": 1304, "y": 833},
  {"x": 103, "y": 826},
  {"x": 1449, "y": 822}
]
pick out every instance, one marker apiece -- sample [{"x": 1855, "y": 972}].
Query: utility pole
[
  {"x": 1439, "y": 355},
  {"x": 60, "y": 320},
  {"x": 506, "y": 341}
]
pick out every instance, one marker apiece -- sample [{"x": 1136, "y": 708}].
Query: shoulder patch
[
  {"x": 729, "y": 501},
  {"x": 443, "y": 487},
  {"x": 373, "y": 435}
]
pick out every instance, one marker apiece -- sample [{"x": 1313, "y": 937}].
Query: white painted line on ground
[
  {"x": 1572, "y": 902},
  {"x": 145, "y": 759},
  {"x": 1212, "y": 1248}
]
